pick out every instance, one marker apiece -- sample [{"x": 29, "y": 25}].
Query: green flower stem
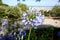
[
  {"x": 22, "y": 37},
  {"x": 29, "y": 33}
]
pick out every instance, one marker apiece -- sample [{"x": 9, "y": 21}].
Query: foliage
[
  {"x": 2, "y": 11},
  {"x": 0, "y": 1},
  {"x": 23, "y": 7},
  {"x": 13, "y": 13},
  {"x": 37, "y": 34},
  {"x": 41, "y": 34},
  {"x": 55, "y": 11},
  {"x": 31, "y": 16},
  {"x": 45, "y": 13},
  {"x": 3, "y": 7}
]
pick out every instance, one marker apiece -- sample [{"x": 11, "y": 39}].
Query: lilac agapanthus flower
[
  {"x": 22, "y": 33},
  {"x": 24, "y": 16},
  {"x": 38, "y": 20},
  {"x": 5, "y": 22},
  {"x": 1, "y": 37},
  {"x": 6, "y": 37}
]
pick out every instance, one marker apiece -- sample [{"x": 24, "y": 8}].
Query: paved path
[{"x": 49, "y": 21}]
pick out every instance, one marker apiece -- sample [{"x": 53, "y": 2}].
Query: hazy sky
[{"x": 32, "y": 2}]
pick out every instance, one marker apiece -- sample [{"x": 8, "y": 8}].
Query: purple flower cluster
[
  {"x": 34, "y": 22},
  {"x": 6, "y": 37},
  {"x": 5, "y": 22},
  {"x": 22, "y": 32},
  {"x": 12, "y": 36}
]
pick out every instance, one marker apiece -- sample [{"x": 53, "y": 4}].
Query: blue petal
[
  {"x": 22, "y": 33},
  {"x": 58, "y": 34},
  {"x": 24, "y": 14},
  {"x": 5, "y": 21}
]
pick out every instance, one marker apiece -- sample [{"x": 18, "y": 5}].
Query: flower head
[
  {"x": 5, "y": 22},
  {"x": 34, "y": 19},
  {"x": 22, "y": 33}
]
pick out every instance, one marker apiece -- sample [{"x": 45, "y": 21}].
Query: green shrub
[
  {"x": 55, "y": 11},
  {"x": 41, "y": 34},
  {"x": 23, "y": 7},
  {"x": 13, "y": 13}
]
